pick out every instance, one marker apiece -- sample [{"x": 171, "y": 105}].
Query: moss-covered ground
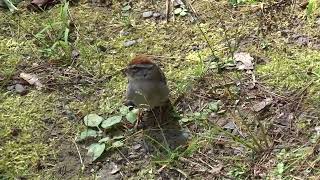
[{"x": 37, "y": 130}]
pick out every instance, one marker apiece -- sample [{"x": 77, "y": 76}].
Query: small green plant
[
  {"x": 212, "y": 107},
  {"x": 311, "y": 8},
  {"x": 238, "y": 2},
  {"x": 181, "y": 11},
  {"x": 288, "y": 161},
  {"x": 55, "y": 35},
  {"x": 97, "y": 125},
  {"x": 238, "y": 171}
]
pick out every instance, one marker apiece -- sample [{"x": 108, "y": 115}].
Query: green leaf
[
  {"x": 124, "y": 110},
  {"x": 185, "y": 120},
  {"x": 126, "y": 8},
  {"x": 118, "y": 137},
  {"x": 117, "y": 144},
  {"x": 214, "y": 106},
  {"x": 280, "y": 168},
  {"x": 9, "y": 4},
  {"x": 105, "y": 139},
  {"x": 183, "y": 13},
  {"x": 92, "y": 120},
  {"x": 66, "y": 35},
  {"x": 177, "y": 11},
  {"x": 312, "y": 4},
  {"x": 95, "y": 150},
  {"x": 131, "y": 117},
  {"x": 87, "y": 133},
  {"x": 111, "y": 121}
]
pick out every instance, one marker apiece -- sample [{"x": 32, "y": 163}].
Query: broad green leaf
[
  {"x": 131, "y": 117},
  {"x": 177, "y": 11},
  {"x": 185, "y": 120},
  {"x": 95, "y": 150},
  {"x": 87, "y": 133},
  {"x": 214, "y": 106},
  {"x": 183, "y": 13},
  {"x": 105, "y": 139},
  {"x": 111, "y": 121},
  {"x": 92, "y": 120},
  {"x": 124, "y": 110},
  {"x": 117, "y": 144}
]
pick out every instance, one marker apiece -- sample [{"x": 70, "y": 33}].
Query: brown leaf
[
  {"x": 32, "y": 79},
  {"x": 261, "y": 105},
  {"x": 217, "y": 169},
  {"x": 243, "y": 61}
]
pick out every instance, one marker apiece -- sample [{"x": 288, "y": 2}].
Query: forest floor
[{"x": 241, "y": 124}]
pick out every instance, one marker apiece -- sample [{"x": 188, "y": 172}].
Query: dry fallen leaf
[
  {"x": 261, "y": 105},
  {"x": 243, "y": 61},
  {"x": 32, "y": 79},
  {"x": 217, "y": 169}
]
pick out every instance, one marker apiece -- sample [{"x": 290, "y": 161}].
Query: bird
[{"x": 147, "y": 85}]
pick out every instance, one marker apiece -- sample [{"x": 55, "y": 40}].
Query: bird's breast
[{"x": 147, "y": 92}]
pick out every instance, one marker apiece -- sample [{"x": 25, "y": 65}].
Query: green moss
[
  {"x": 295, "y": 71},
  {"x": 22, "y": 128}
]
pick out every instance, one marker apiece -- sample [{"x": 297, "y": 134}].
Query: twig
[
  {"x": 162, "y": 167},
  {"x": 80, "y": 157},
  {"x": 301, "y": 94},
  {"x": 180, "y": 171},
  {"x": 206, "y": 163},
  {"x": 191, "y": 7},
  {"x": 263, "y": 88},
  {"x": 123, "y": 156},
  {"x": 189, "y": 161}
]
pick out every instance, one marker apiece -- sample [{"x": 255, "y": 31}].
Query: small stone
[
  {"x": 35, "y": 64},
  {"x": 317, "y": 130},
  {"x": 156, "y": 15},
  {"x": 137, "y": 146},
  {"x": 10, "y": 88},
  {"x": 20, "y": 89},
  {"x": 147, "y": 14},
  {"x": 303, "y": 40},
  {"x": 124, "y": 33},
  {"x": 129, "y": 43},
  {"x": 75, "y": 54}
]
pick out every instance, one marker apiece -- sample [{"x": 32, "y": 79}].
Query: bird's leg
[
  {"x": 167, "y": 10},
  {"x": 160, "y": 115}
]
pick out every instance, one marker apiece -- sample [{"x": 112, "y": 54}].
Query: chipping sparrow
[{"x": 147, "y": 85}]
